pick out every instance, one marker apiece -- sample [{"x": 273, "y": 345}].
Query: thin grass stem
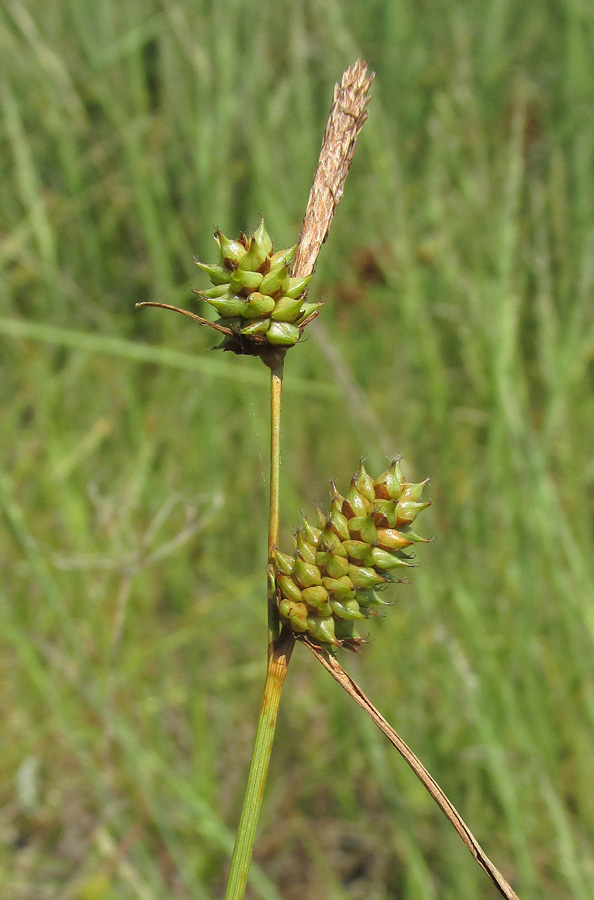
[
  {"x": 280, "y": 648},
  {"x": 279, "y": 654},
  {"x": 276, "y": 388},
  {"x": 354, "y": 691}
]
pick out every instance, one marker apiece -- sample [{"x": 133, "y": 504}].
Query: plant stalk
[
  {"x": 344, "y": 124},
  {"x": 280, "y": 648},
  {"x": 279, "y": 654},
  {"x": 276, "y": 388},
  {"x": 354, "y": 691}
]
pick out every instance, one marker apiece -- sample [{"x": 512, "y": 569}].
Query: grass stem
[
  {"x": 280, "y": 648},
  {"x": 279, "y": 654},
  {"x": 276, "y": 387}
]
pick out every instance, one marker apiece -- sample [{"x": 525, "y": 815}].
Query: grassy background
[{"x": 458, "y": 330}]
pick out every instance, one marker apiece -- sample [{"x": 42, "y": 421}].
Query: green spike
[
  {"x": 355, "y": 503},
  {"x": 254, "y": 326},
  {"x": 339, "y": 588},
  {"x": 356, "y": 549},
  {"x": 337, "y": 497},
  {"x": 408, "y": 511},
  {"x": 284, "y": 562},
  {"x": 338, "y": 566},
  {"x": 398, "y": 471},
  {"x": 311, "y": 534},
  {"x": 412, "y": 491},
  {"x": 217, "y": 274},
  {"x": 322, "y": 628},
  {"x": 288, "y": 588},
  {"x": 304, "y": 549},
  {"x": 257, "y": 305},
  {"x": 325, "y": 609},
  {"x": 365, "y": 577},
  {"x": 214, "y": 293},
  {"x": 390, "y": 539},
  {"x": 228, "y": 306},
  {"x": 339, "y": 524},
  {"x": 369, "y": 598},
  {"x": 389, "y": 484},
  {"x": 321, "y": 518},
  {"x": 393, "y": 579},
  {"x": 307, "y": 310},
  {"x": 262, "y": 238},
  {"x": 283, "y": 256},
  {"x": 362, "y": 528},
  {"x": 316, "y": 596},
  {"x": 276, "y": 281},
  {"x": 345, "y": 631},
  {"x": 297, "y": 286},
  {"x": 335, "y": 566},
  {"x": 414, "y": 537},
  {"x": 384, "y": 560},
  {"x": 286, "y": 310},
  {"x": 346, "y": 609},
  {"x": 243, "y": 282},
  {"x": 254, "y": 256},
  {"x": 230, "y": 252},
  {"x": 364, "y": 483},
  {"x": 282, "y": 334},
  {"x": 330, "y": 541},
  {"x": 306, "y": 574},
  {"x": 296, "y": 613},
  {"x": 384, "y": 513}
]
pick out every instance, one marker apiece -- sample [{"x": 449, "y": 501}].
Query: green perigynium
[
  {"x": 341, "y": 565},
  {"x": 254, "y": 293}
]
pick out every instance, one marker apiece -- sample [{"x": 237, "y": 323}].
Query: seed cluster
[
  {"x": 340, "y": 567},
  {"x": 253, "y": 291}
]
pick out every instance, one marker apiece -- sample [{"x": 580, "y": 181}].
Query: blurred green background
[{"x": 458, "y": 330}]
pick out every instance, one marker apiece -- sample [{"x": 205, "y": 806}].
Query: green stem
[
  {"x": 279, "y": 654},
  {"x": 280, "y": 647},
  {"x": 276, "y": 389}
]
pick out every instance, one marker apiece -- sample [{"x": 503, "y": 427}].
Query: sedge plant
[{"x": 342, "y": 560}]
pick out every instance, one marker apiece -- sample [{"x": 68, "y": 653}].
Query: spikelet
[
  {"x": 340, "y": 567},
  {"x": 255, "y": 295}
]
